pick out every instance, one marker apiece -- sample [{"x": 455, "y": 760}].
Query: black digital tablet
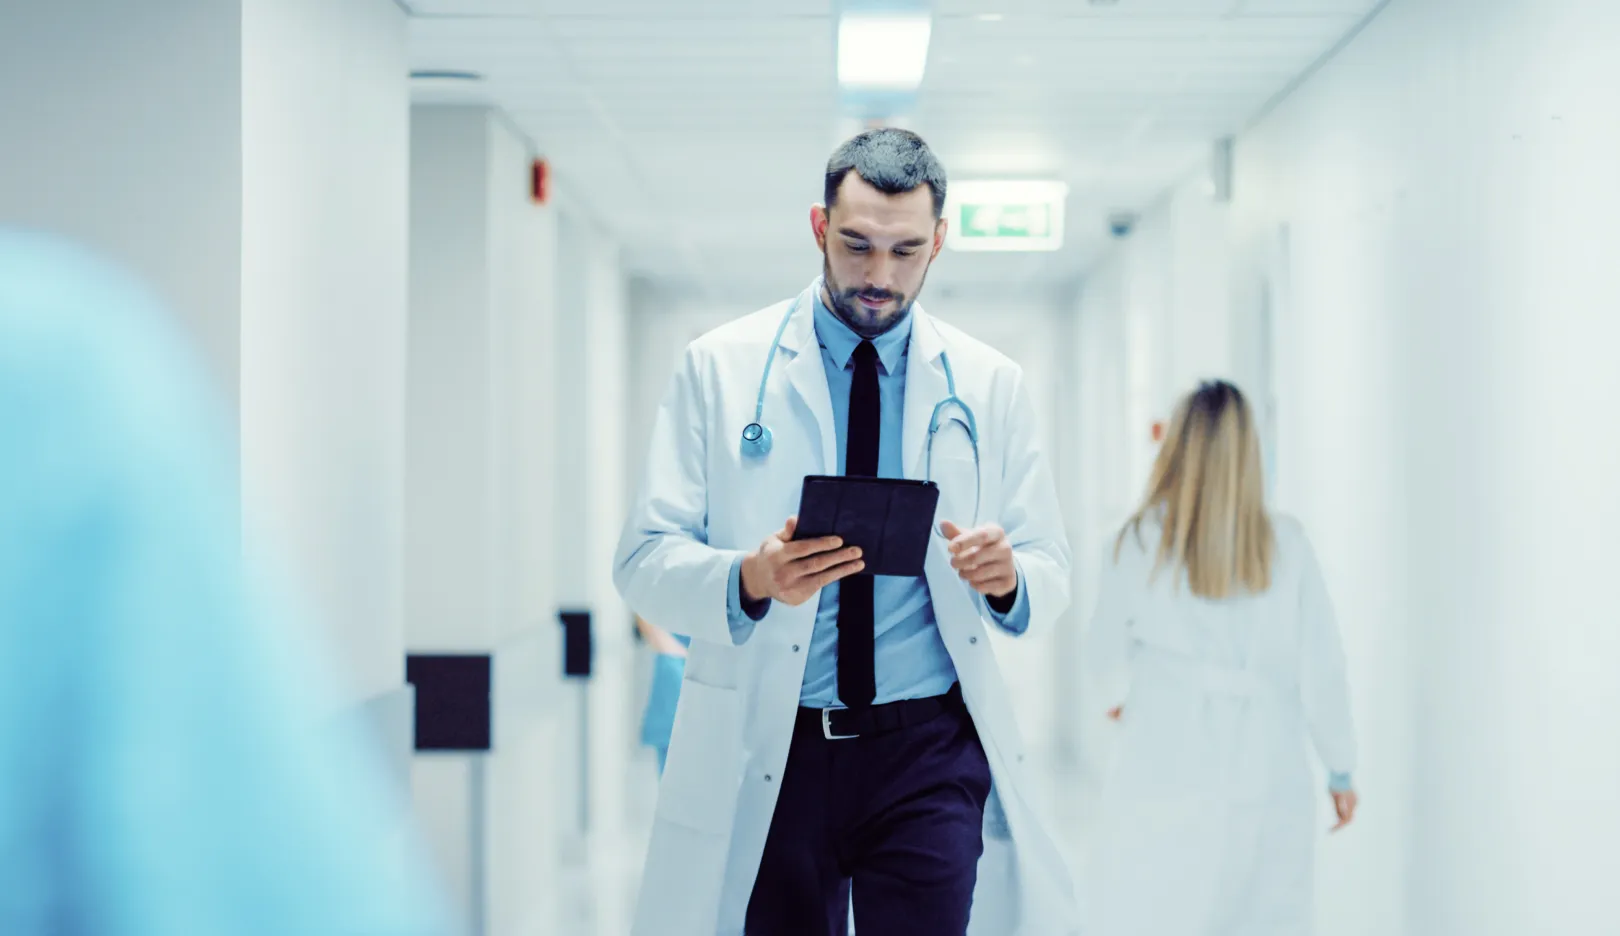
[{"x": 890, "y": 519}]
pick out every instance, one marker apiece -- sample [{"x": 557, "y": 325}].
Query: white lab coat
[
  {"x": 1208, "y": 823},
  {"x": 703, "y": 503}
]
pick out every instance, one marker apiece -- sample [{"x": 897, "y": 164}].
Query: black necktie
[{"x": 857, "y": 684}]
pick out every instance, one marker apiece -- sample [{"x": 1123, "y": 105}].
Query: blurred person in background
[
  {"x": 171, "y": 760},
  {"x": 669, "y": 665},
  {"x": 1215, "y": 641}
]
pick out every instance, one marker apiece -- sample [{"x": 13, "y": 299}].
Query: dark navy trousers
[{"x": 898, "y": 815}]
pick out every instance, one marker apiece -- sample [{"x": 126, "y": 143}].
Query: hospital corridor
[{"x": 809, "y": 467}]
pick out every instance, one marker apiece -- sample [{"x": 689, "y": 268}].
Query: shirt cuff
[
  {"x": 1015, "y": 620},
  {"x": 741, "y": 617},
  {"x": 1339, "y": 783}
]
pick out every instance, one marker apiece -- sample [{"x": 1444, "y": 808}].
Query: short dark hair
[{"x": 891, "y": 160}]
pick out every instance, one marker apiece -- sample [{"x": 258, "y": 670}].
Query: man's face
[{"x": 877, "y": 251}]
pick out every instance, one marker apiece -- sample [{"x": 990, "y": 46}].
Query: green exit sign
[
  {"x": 1006, "y": 215},
  {"x": 1006, "y": 221}
]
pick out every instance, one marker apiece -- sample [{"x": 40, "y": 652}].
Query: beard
[{"x": 845, "y": 304}]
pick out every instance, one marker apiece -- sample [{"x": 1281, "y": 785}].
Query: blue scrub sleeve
[
  {"x": 1339, "y": 783},
  {"x": 658, "y": 721}
]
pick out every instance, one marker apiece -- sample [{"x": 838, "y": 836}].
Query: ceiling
[{"x": 696, "y": 131}]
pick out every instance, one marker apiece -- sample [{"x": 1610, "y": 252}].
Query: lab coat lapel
[
  {"x": 808, "y": 375},
  {"x": 925, "y": 387}
]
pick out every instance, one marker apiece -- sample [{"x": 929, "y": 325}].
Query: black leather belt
[{"x": 837, "y": 724}]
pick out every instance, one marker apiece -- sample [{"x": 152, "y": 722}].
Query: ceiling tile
[
  {"x": 622, "y": 9},
  {"x": 1355, "y": 9},
  {"x": 698, "y": 129},
  {"x": 430, "y": 8},
  {"x": 1125, "y": 9}
]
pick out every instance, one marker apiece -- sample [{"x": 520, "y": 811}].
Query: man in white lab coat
[{"x": 838, "y": 728}]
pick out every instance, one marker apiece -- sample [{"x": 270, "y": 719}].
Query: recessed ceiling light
[
  {"x": 883, "y": 51},
  {"x": 445, "y": 75},
  {"x": 453, "y": 86},
  {"x": 990, "y": 17}
]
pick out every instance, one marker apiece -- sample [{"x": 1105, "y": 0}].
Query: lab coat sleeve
[
  {"x": 1107, "y": 642},
  {"x": 1031, "y": 517},
  {"x": 1324, "y": 686},
  {"x": 664, "y": 566}
]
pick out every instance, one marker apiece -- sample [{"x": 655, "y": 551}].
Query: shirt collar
[{"x": 841, "y": 341}]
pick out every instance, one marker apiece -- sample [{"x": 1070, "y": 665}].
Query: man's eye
[
  {"x": 855, "y": 248},
  {"x": 905, "y": 253}
]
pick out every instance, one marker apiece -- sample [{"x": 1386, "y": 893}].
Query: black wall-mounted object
[
  {"x": 577, "y": 649},
  {"x": 452, "y": 700}
]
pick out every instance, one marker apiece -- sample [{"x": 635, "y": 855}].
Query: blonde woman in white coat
[{"x": 1215, "y": 642}]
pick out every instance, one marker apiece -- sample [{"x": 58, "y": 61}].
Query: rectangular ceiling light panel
[{"x": 887, "y": 52}]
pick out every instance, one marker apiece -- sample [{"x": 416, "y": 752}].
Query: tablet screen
[{"x": 890, "y": 519}]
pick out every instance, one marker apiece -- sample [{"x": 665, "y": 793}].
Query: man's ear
[
  {"x": 941, "y": 228},
  {"x": 818, "y": 225}
]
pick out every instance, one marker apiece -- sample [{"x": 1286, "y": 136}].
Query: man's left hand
[{"x": 984, "y": 558}]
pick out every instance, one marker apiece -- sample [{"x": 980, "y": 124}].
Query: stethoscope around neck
[{"x": 756, "y": 436}]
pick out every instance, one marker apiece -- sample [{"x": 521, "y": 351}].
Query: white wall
[
  {"x": 450, "y": 423},
  {"x": 522, "y": 829},
  {"x": 266, "y": 204},
  {"x": 592, "y": 374},
  {"x": 479, "y": 559},
  {"x": 146, "y": 168},
  {"x": 1429, "y": 214},
  {"x": 323, "y": 316},
  {"x": 601, "y": 716},
  {"x": 615, "y": 711}
]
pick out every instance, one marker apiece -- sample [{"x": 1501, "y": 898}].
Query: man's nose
[{"x": 879, "y": 276}]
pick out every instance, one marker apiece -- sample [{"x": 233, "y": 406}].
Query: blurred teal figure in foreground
[
  {"x": 171, "y": 758},
  {"x": 669, "y": 668}
]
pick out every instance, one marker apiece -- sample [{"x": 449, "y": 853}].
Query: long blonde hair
[{"x": 1208, "y": 494}]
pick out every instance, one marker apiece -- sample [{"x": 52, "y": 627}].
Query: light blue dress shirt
[{"x": 911, "y": 660}]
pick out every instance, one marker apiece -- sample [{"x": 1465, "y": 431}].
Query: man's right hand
[{"x": 793, "y": 572}]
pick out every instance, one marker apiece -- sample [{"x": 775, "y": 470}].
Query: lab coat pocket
[{"x": 705, "y": 767}]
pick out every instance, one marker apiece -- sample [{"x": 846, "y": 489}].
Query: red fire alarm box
[{"x": 540, "y": 182}]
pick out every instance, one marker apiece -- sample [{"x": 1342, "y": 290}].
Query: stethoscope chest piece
[
  {"x": 756, "y": 440},
  {"x": 756, "y": 436}
]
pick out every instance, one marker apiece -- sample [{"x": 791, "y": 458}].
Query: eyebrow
[{"x": 857, "y": 235}]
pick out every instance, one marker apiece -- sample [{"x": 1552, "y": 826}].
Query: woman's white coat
[{"x": 1209, "y": 818}]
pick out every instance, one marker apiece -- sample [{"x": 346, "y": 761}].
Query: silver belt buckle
[{"x": 826, "y": 726}]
